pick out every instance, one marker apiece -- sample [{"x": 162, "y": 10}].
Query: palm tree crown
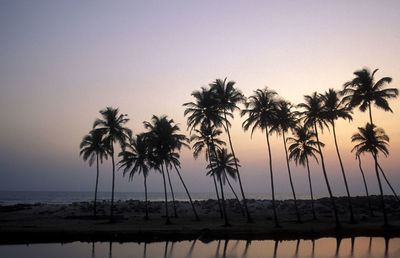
[
  {"x": 134, "y": 157},
  {"x": 226, "y": 95},
  {"x": 223, "y": 163},
  {"x": 314, "y": 112},
  {"x": 370, "y": 139},
  {"x": 284, "y": 119},
  {"x": 303, "y": 145},
  {"x": 206, "y": 137},
  {"x": 92, "y": 144},
  {"x": 334, "y": 108},
  {"x": 260, "y": 109}
]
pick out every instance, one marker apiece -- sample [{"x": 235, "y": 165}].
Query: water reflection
[{"x": 325, "y": 247}]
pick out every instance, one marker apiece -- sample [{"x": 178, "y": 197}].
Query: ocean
[{"x": 54, "y": 197}]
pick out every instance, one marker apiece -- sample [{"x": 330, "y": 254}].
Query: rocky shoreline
[{"x": 40, "y": 223}]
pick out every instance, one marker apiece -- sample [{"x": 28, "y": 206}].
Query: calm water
[
  {"x": 31, "y": 197},
  {"x": 325, "y": 247}
]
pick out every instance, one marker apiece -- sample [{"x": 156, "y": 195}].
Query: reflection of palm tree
[
  {"x": 220, "y": 165},
  {"x": 165, "y": 249},
  {"x": 207, "y": 138},
  {"x": 112, "y": 124},
  {"x": 93, "y": 250},
  {"x": 352, "y": 246},
  {"x": 373, "y": 140},
  {"x": 260, "y": 110},
  {"x": 387, "y": 239},
  {"x": 302, "y": 146},
  {"x": 363, "y": 91},
  {"x": 313, "y": 248},
  {"x": 296, "y": 253},
  {"x": 145, "y": 250},
  {"x": 335, "y": 109},
  {"x": 110, "y": 250},
  {"x": 284, "y": 121},
  {"x": 365, "y": 185},
  {"x": 313, "y": 116},
  {"x": 225, "y": 248},
  {"x": 248, "y": 243},
  {"x": 93, "y": 147},
  {"x": 227, "y": 98},
  {"x": 191, "y": 248},
  {"x": 135, "y": 160},
  {"x": 276, "y": 248},
  {"x": 338, "y": 242}
]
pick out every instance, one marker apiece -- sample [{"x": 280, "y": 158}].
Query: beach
[{"x": 46, "y": 223}]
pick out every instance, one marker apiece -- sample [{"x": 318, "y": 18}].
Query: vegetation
[{"x": 209, "y": 115}]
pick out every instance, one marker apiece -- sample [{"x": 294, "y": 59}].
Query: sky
[{"x": 63, "y": 61}]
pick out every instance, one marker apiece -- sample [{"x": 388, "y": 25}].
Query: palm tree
[
  {"x": 313, "y": 116},
  {"x": 387, "y": 181},
  {"x": 220, "y": 165},
  {"x": 92, "y": 147},
  {"x": 112, "y": 125},
  {"x": 135, "y": 160},
  {"x": 227, "y": 99},
  {"x": 335, "y": 109},
  {"x": 363, "y": 91},
  {"x": 286, "y": 119},
  {"x": 373, "y": 140},
  {"x": 202, "y": 140},
  {"x": 260, "y": 109},
  {"x": 173, "y": 160},
  {"x": 365, "y": 185},
  {"x": 302, "y": 146}
]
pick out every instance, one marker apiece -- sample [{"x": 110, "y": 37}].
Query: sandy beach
[{"x": 42, "y": 223}]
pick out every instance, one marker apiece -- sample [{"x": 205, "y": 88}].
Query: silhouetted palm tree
[
  {"x": 314, "y": 116},
  {"x": 285, "y": 120},
  {"x": 363, "y": 91},
  {"x": 389, "y": 184},
  {"x": 92, "y": 147},
  {"x": 203, "y": 140},
  {"x": 221, "y": 165},
  {"x": 135, "y": 160},
  {"x": 227, "y": 99},
  {"x": 112, "y": 124},
  {"x": 365, "y": 186},
  {"x": 161, "y": 142},
  {"x": 373, "y": 140},
  {"x": 260, "y": 109},
  {"x": 335, "y": 109},
  {"x": 302, "y": 146}
]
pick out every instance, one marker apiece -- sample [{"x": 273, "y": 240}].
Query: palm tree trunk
[
  {"x": 145, "y": 197},
  {"x": 167, "y": 221},
  {"x": 311, "y": 192},
  {"x": 215, "y": 181},
  {"x": 366, "y": 187},
  {"x": 234, "y": 193},
  {"x": 97, "y": 183},
  {"x": 227, "y": 224},
  {"x": 290, "y": 178},
  {"x": 352, "y": 219},
  {"x": 272, "y": 180},
  {"x": 385, "y": 219},
  {"x": 172, "y": 192},
  {"x": 326, "y": 180},
  {"x": 113, "y": 183},
  {"x": 370, "y": 113},
  {"x": 187, "y": 192},
  {"x": 387, "y": 181},
  {"x": 249, "y": 218}
]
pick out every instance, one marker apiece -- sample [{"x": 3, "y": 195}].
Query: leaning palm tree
[
  {"x": 202, "y": 141},
  {"x": 285, "y": 120},
  {"x": 302, "y": 146},
  {"x": 314, "y": 116},
  {"x": 227, "y": 99},
  {"x": 373, "y": 140},
  {"x": 389, "y": 184},
  {"x": 334, "y": 109},
  {"x": 113, "y": 126},
  {"x": 363, "y": 91},
  {"x": 371, "y": 211},
  {"x": 221, "y": 165},
  {"x": 92, "y": 147},
  {"x": 260, "y": 109},
  {"x": 135, "y": 160}
]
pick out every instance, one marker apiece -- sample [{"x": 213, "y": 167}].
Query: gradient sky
[{"x": 63, "y": 61}]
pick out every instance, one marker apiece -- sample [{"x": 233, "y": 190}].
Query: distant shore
[{"x": 43, "y": 223}]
